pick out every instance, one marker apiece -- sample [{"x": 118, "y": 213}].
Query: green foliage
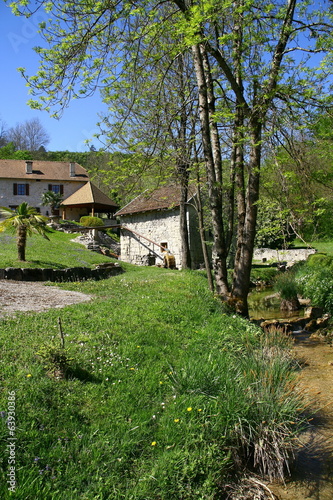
[
  {"x": 272, "y": 225},
  {"x": 53, "y": 200},
  {"x": 89, "y": 221},
  {"x": 315, "y": 281},
  {"x": 263, "y": 275},
  {"x": 8, "y": 152},
  {"x": 55, "y": 360},
  {"x": 179, "y": 395},
  {"x": 286, "y": 285}
]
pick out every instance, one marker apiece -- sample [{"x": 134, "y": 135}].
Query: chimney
[
  {"x": 72, "y": 169},
  {"x": 28, "y": 167}
]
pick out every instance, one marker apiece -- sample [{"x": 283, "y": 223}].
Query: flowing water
[{"x": 312, "y": 473}]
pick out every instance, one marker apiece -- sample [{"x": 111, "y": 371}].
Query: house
[
  {"x": 151, "y": 223},
  {"x": 22, "y": 180}
]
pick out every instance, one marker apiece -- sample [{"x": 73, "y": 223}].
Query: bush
[
  {"x": 89, "y": 221},
  {"x": 286, "y": 285},
  {"x": 264, "y": 275},
  {"x": 320, "y": 260},
  {"x": 316, "y": 284}
]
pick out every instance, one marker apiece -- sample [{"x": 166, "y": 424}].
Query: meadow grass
[
  {"x": 60, "y": 252},
  {"x": 165, "y": 396}
]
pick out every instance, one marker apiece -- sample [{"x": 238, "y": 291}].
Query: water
[{"x": 265, "y": 304}]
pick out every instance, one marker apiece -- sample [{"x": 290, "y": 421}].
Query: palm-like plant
[
  {"x": 24, "y": 220},
  {"x": 53, "y": 200}
]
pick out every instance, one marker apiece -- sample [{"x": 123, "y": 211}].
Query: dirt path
[
  {"x": 312, "y": 477},
  {"x": 32, "y": 296}
]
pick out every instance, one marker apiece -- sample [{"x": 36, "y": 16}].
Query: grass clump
[
  {"x": 178, "y": 396},
  {"x": 285, "y": 284}
]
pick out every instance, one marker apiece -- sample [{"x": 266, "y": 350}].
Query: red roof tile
[
  {"x": 43, "y": 170},
  {"x": 164, "y": 198}
]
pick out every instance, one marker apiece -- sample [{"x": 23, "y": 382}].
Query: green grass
[
  {"x": 59, "y": 252},
  {"x": 166, "y": 397},
  {"x": 322, "y": 246}
]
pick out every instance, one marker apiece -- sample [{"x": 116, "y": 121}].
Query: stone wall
[
  {"x": 289, "y": 256},
  {"x": 101, "y": 271},
  {"x": 162, "y": 227},
  {"x": 36, "y": 189}
]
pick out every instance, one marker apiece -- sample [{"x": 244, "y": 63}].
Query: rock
[
  {"x": 290, "y": 304},
  {"x": 13, "y": 273},
  {"x": 311, "y": 326},
  {"x": 313, "y": 312},
  {"x": 323, "y": 321},
  {"x": 106, "y": 265}
]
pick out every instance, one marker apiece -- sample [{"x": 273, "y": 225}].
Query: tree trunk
[
  {"x": 21, "y": 242},
  {"x": 211, "y": 154},
  {"x": 204, "y": 245},
  {"x": 185, "y": 247},
  {"x": 246, "y": 234}
]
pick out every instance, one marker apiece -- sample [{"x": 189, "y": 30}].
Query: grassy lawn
[
  {"x": 159, "y": 394},
  {"x": 59, "y": 252}
]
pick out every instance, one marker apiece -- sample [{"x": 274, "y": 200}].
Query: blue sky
[{"x": 78, "y": 123}]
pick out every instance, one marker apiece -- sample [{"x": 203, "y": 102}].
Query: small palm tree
[
  {"x": 53, "y": 200},
  {"x": 24, "y": 220}
]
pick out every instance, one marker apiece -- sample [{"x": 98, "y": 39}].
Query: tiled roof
[
  {"x": 43, "y": 170},
  {"x": 89, "y": 194},
  {"x": 164, "y": 198}
]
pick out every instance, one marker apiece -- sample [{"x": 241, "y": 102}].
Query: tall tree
[
  {"x": 29, "y": 135},
  {"x": 3, "y": 133},
  {"x": 242, "y": 54}
]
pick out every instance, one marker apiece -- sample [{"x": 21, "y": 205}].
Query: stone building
[
  {"x": 26, "y": 181},
  {"x": 151, "y": 223}
]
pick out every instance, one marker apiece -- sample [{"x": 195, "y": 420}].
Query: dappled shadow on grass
[{"x": 78, "y": 373}]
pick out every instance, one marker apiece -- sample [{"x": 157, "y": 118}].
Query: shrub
[
  {"x": 320, "y": 260},
  {"x": 89, "y": 221},
  {"x": 317, "y": 285},
  {"x": 286, "y": 285},
  {"x": 264, "y": 275}
]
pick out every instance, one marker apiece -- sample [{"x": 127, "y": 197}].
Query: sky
[{"x": 78, "y": 122}]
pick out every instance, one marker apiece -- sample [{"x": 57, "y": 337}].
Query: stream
[{"x": 312, "y": 473}]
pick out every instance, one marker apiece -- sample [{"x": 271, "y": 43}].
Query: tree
[
  {"x": 29, "y": 135},
  {"x": 3, "y": 133},
  {"x": 243, "y": 61},
  {"x": 53, "y": 200},
  {"x": 24, "y": 220}
]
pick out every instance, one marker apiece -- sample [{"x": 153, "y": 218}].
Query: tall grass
[{"x": 167, "y": 396}]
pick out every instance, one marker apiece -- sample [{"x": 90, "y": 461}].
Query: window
[
  {"x": 56, "y": 188},
  {"x": 164, "y": 245},
  {"x": 21, "y": 189}
]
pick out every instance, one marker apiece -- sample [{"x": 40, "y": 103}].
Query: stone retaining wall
[
  {"x": 290, "y": 256},
  {"x": 60, "y": 275}
]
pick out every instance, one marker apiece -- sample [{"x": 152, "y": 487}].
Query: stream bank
[{"x": 312, "y": 472}]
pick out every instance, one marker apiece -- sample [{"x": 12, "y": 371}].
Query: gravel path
[{"x": 32, "y": 296}]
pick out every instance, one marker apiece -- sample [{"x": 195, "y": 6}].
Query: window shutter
[
  {"x": 15, "y": 189},
  {"x": 61, "y": 189},
  {"x": 50, "y": 187},
  {"x": 27, "y": 189}
]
